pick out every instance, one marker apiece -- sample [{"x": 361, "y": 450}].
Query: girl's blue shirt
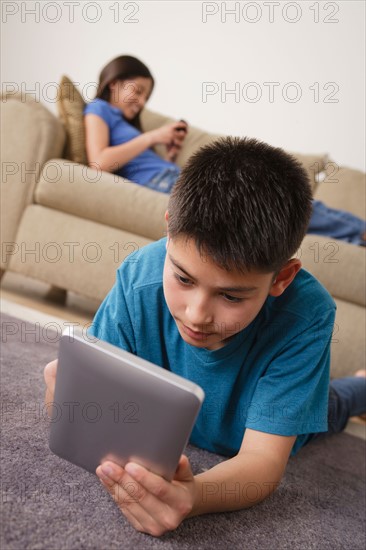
[{"x": 144, "y": 166}]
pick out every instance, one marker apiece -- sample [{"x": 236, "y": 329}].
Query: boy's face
[{"x": 208, "y": 303}]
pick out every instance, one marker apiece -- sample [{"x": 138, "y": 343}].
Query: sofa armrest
[
  {"x": 102, "y": 197},
  {"x": 30, "y": 135}
]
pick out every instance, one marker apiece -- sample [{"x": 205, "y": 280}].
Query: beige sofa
[{"x": 71, "y": 226}]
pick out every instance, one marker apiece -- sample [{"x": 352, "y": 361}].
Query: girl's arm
[{"x": 111, "y": 158}]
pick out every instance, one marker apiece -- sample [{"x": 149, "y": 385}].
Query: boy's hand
[
  {"x": 50, "y": 379},
  {"x": 151, "y": 504}
]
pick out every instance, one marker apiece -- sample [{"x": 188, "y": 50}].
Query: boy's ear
[{"x": 285, "y": 277}]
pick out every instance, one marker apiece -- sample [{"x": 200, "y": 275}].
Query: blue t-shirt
[
  {"x": 147, "y": 164},
  {"x": 273, "y": 376}
]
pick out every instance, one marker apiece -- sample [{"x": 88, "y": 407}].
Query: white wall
[{"x": 184, "y": 52}]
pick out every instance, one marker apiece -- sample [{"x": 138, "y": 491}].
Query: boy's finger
[
  {"x": 111, "y": 471},
  {"x": 122, "y": 487},
  {"x": 134, "y": 521},
  {"x": 140, "y": 517},
  {"x": 183, "y": 471},
  {"x": 154, "y": 484},
  {"x": 49, "y": 374},
  {"x": 135, "y": 503}
]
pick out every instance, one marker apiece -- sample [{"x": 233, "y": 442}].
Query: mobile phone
[{"x": 183, "y": 129}]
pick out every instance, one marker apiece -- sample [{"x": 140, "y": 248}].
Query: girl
[{"x": 114, "y": 141}]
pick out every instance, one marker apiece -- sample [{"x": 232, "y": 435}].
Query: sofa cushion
[
  {"x": 102, "y": 197},
  {"x": 78, "y": 255},
  {"x": 70, "y": 105},
  {"x": 343, "y": 188}
]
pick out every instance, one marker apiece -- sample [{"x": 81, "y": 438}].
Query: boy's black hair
[{"x": 246, "y": 204}]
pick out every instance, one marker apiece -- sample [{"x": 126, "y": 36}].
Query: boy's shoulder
[
  {"x": 144, "y": 266},
  {"x": 305, "y": 297}
]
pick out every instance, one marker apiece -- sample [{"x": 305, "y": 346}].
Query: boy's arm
[
  {"x": 246, "y": 479},
  {"x": 154, "y": 505}
]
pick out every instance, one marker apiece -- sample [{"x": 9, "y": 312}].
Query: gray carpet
[{"x": 48, "y": 503}]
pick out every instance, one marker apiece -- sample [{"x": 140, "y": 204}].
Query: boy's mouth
[{"x": 195, "y": 335}]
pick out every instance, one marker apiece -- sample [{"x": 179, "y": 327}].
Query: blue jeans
[
  {"x": 347, "y": 397},
  {"x": 164, "y": 181},
  {"x": 336, "y": 224}
]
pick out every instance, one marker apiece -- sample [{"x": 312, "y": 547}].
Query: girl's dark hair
[
  {"x": 124, "y": 67},
  {"x": 246, "y": 204}
]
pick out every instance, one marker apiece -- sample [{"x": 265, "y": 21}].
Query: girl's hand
[
  {"x": 169, "y": 134},
  {"x": 150, "y": 503},
  {"x": 172, "y": 152}
]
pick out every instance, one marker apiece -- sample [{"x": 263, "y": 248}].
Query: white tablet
[{"x": 111, "y": 405}]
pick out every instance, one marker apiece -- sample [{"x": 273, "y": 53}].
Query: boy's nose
[{"x": 198, "y": 315}]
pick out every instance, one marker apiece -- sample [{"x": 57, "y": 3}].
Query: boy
[{"x": 223, "y": 302}]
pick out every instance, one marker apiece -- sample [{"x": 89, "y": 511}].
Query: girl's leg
[
  {"x": 347, "y": 397},
  {"x": 336, "y": 224},
  {"x": 164, "y": 181}
]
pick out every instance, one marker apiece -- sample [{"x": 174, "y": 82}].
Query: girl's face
[{"x": 130, "y": 96}]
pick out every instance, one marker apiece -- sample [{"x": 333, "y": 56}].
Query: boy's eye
[
  {"x": 232, "y": 299},
  {"x": 185, "y": 281},
  {"x": 181, "y": 279}
]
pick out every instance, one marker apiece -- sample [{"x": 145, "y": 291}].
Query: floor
[{"x": 28, "y": 300}]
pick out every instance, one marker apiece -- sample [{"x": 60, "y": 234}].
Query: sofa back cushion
[
  {"x": 101, "y": 197},
  {"x": 70, "y": 106}
]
